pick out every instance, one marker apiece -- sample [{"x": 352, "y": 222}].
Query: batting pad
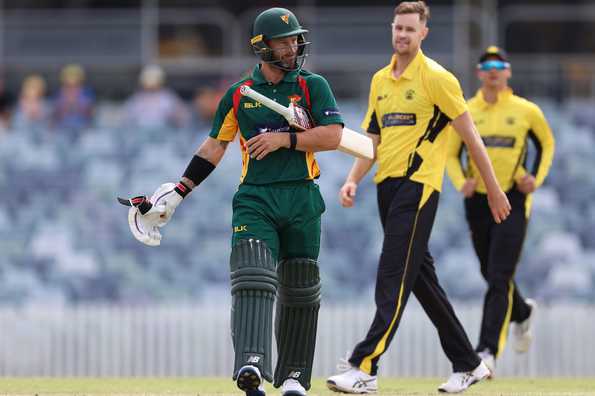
[
  {"x": 298, "y": 301},
  {"x": 253, "y": 289}
]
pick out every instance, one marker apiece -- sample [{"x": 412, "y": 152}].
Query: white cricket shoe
[
  {"x": 522, "y": 331},
  {"x": 353, "y": 381},
  {"x": 490, "y": 361},
  {"x": 292, "y": 387},
  {"x": 458, "y": 382}
]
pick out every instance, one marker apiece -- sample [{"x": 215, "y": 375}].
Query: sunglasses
[{"x": 493, "y": 64}]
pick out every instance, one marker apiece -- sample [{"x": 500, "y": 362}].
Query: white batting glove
[{"x": 146, "y": 216}]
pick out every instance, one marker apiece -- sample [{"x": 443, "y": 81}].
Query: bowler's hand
[
  {"x": 499, "y": 205},
  {"x": 526, "y": 184},
  {"x": 261, "y": 145},
  {"x": 347, "y": 194},
  {"x": 468, "y": 188}
]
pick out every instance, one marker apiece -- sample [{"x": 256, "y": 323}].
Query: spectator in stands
[
  {"x": 33, "y": 110},
  {"x": 5, "y": 106},
  {"x": 204, "y": 107},
  {"x": 154, "y": 105},
  {"x": 74, "y": 103}
]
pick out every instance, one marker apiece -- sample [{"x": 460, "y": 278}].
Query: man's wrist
[
  {"x": 182, "y": 189},
  {"x": 292, "y": 141}
]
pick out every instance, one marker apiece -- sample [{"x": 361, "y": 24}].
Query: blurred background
[{"x": 107, "y": 98}]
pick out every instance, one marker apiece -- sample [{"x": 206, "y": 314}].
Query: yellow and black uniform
[
  {"x": 411, "y": 114},
  {"x": 505, "y": 127}
]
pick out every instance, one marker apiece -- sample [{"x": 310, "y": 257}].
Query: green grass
[{"x": 224, "y": 386}]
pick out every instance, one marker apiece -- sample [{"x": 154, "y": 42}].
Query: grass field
[{"x": 223, "y": 386}]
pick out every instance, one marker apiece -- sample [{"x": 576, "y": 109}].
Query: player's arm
[
  {"x": 454, "y": 166},
  {"x": 212, "y": 151},
  {"x": 497, "y": 200},
  {"x": 543, "y": 139},
  {"x": 360, "y": 168},
  {"x": 324, "y": 136},
  {"x": 157, "y": 211},
  {"x": 447, "y": 94}
]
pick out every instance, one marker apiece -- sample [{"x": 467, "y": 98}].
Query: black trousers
[
  {"x": 498, "y": 247},
  {"x": 407, "y": 211}
]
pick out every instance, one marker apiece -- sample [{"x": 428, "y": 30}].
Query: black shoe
[{"x": 250, "y": 381}]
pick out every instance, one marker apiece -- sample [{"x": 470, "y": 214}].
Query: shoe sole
[
  {"x": 248, "y": 380},
  {"x": 335, "y": 388}
]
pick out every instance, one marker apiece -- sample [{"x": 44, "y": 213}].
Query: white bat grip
[{"x": 271, "y": 104}]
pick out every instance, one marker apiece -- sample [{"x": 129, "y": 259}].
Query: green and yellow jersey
[
  {"x": 505, "y": 127},
  {"x": 239, "y": 113},
  {"x": 410, "y": 114}
]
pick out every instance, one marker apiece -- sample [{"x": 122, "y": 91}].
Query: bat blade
[{"x": 356, "y": 144}]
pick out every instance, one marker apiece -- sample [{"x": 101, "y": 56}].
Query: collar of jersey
[
  {"x": 410, "y": 70},
  {"x": 502, "y": 96},
  {"x": 259, "y": 79}
]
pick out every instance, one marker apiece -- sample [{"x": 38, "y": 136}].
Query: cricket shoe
[
  {"x": 250, "y": 381},
  {"x": 353, "y": 380},
  {"x": 458, "y": 382},
  {"x": 522, "y": 331},
  {"x": 292, "y": 387},
  {"x": 490, "y": 361}
]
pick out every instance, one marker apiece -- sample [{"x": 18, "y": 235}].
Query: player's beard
[
  {"x": 403, "y": 47},
  {"x": 288, "y": 62}
]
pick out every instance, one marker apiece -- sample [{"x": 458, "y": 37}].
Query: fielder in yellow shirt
[
  {"x": 412, "y": 101},
  {"x": 506, "y": 123}
]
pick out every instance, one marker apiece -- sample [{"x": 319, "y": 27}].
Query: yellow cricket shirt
[
  {"x": 410, "y": 114},
  {"x": 505, "y": 127}
]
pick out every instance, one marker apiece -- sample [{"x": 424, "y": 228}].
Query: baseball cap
[{"x": 493, "y": 52}]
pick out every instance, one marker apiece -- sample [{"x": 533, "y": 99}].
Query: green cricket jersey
[{"x": 239, "y": 113}]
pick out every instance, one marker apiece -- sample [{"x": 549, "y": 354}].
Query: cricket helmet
[{"x": 278, "y": 23}]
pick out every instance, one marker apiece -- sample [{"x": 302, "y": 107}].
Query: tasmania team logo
[
  {"x": 285, "y": 18},
  {"x": 294, "y": 98}
]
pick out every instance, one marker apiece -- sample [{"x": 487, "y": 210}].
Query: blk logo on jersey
[
  {"x": 252, "y": 105},
  {"x": 398, "y": 119}
]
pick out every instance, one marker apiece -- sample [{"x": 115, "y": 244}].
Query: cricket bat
[{"x": 352, "y": 143}]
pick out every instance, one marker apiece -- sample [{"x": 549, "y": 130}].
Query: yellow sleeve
[
  {"x": 542, "y": 137},
  {"x": 370, "y": 123},
  {"x": 446, "y": 93},
  {"x": 454, "y": 167}
]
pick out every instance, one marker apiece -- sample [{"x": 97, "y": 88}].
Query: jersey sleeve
[
  {"x": 446, "y": 93},
  {"x": 454, "y": 166},
  {"x": 370, "y": 123},
  {"x": 225, "y": 123},
  {"x": 324, "y": 106},
  {"x": 544, "y": 142}
]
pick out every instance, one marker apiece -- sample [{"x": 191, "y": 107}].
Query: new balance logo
[
  {"x": 254, "y": 359},
  {"x": 295, "y": 374}
]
